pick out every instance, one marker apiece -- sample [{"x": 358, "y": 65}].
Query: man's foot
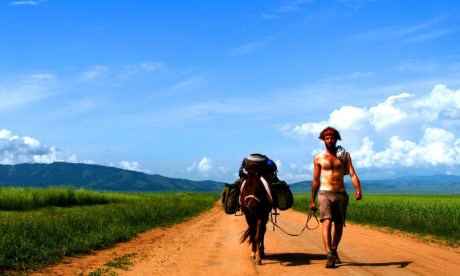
[
  {"x": 330, "y": 260},
  {"x": 337, "y": 259}
]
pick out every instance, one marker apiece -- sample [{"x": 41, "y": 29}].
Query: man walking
[{"x": 330, "y": 167}]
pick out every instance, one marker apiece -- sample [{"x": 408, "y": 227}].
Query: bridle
[{"x": 248, "y": 197}]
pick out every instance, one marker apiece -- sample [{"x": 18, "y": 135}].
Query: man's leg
[
  {"x": 336, "y": 237},
  {"x": 327, "y": 239}
]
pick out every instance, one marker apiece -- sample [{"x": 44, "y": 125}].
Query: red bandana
[{"x": 328, "y": 132}]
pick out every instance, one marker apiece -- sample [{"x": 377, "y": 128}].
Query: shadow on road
[
  {"x": 399, "y": 264},
  {"x": 294, "y": 259}
]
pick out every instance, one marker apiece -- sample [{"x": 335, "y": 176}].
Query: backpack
[
  {"x": 230, "y": 195},
  {"x": 282, "y": 195},
  {"x": 260, "y": 162}
]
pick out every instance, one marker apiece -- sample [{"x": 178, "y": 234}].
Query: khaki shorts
[{"x": 333, "y": 205}]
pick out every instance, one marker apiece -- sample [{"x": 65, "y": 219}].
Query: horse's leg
[
  {"x": 260, "y": 241},
  {"x": 263, "y": 230},
  {"x": 252, "y": 238},
  {"x": 254, "y": 246}
]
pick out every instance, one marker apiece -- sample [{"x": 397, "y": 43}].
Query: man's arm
[
  {"x": 354, "y": 178},
  {"x": 315, "y": 182}
]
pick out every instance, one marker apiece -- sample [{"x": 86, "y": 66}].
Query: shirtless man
[{"x": 331, "y": 166}]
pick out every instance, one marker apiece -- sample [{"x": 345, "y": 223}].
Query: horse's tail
[{"x": 246, "y": 235}]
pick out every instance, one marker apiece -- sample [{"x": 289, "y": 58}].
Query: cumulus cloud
[
  {"x": 404, "y": 130},
  {"x": 132, "y": 166},
  {"x": 387, "y": 113},
  {"x": 16, "y": 150},
  {"x": 204, "y": 166}
]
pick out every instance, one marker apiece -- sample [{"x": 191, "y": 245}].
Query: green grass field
[
  {"x": 434, "y": 217},
  {"x": 40, "y": 226}
]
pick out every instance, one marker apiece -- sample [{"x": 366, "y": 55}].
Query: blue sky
[{"x": 187, "y": 89}]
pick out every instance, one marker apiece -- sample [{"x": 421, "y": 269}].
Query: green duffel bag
[
  {"x": 283, "y": 195},
  {"x": 230, "y": 195}
]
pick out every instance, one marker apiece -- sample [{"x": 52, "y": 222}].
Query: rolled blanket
[
  {"x": 341, "y": 153},
  {"x": 267, "y": 188}
]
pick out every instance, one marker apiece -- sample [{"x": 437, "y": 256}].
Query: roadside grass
[
  {"x": 431, "y": 217},
  {"x": 26, "y": 199},
  {"x": 123, "y": 262},
  {"x": 41, "y": 226}
]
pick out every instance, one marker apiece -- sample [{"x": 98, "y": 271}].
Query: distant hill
[
  {"x": 104, "y": 178},
  {"x": 435, "y": 184},
  {"x": 97, "y": 177}
]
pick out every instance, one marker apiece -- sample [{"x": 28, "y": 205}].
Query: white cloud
[
  {"x": 440, "y": 101},
  {"x": 279, "y": 165},
  {"x": 348, "y": 117},
  {"x": 386, "y": 113},
  {"x": 16, "y": 150},
  {"x": 205, "y": 165},
  {"x": 307, "y": 129},
  {"x": 404, "y": 130},
  {"x": 438, "y": 147},
  {"x": 132, "y": 166},
  {"x": 26, "y": 3}
]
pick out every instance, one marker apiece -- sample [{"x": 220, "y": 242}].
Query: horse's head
[{"x": 254, "y": 197}]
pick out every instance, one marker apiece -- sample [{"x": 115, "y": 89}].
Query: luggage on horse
[
  {"x": 230, "y": 196},
  {"x": 261, "y": 163},
  {"x": 282, "y": 195}
]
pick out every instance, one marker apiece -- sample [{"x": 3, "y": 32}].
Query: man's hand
[
  {"x": 313, "y": 207},
  {"x": 358, "y": 194}
]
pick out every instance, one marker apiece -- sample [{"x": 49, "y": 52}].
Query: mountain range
[
  {"x": 104, "y": 178},
  {"x": 96, "y": 177},
  {"x": 433, "y": 184}
]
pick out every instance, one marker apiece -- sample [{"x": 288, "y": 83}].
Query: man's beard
[{"x": 331, "y": 146}]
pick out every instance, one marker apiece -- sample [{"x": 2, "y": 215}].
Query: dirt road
[{"x": 209, "y": 245}]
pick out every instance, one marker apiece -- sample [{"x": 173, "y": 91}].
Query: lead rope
[{"x": 310, "y": 215}]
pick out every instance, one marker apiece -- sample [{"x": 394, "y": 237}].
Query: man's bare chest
[{"x": 330, "y": 162}]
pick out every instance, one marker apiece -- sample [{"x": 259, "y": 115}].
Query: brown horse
[{"x": 256, "y": 205}]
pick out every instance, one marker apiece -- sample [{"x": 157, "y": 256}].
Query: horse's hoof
[
  {"x": 253, "y": 258},
  {"x": 258, "y": 262}
]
